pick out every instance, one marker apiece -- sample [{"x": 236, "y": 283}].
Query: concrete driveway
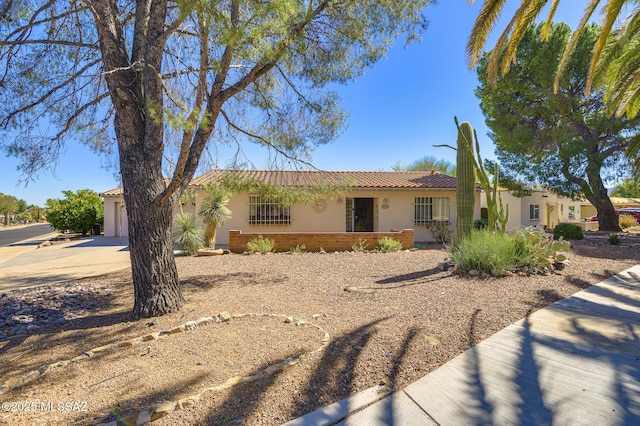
[{"x": 29, "y": 263}]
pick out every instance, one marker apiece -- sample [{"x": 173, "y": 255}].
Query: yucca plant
[
  {"x": 214, "y": 212},
  {"x": 188, "y": 235}
]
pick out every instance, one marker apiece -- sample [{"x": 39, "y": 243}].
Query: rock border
[{"x": 160, "y": 409}]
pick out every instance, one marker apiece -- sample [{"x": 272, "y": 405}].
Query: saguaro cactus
[{"x": 466, "y": 178}]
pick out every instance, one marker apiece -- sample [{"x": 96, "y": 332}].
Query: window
[
  {"x": 268, "y": 212},
  {"x": 534, "y": 211},
  {"x": 431, "y": 209},
  {"x": 572, "y": 212}
]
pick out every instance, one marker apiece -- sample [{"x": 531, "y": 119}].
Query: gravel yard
[{"x": 322, "y": 327}]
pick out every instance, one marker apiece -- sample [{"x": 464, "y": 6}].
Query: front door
[{"x": 363, "y": 214}]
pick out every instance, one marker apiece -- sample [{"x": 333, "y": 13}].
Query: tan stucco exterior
[
  {"x": 552, "y": 209},
  {"x": 393, "y": 210}
]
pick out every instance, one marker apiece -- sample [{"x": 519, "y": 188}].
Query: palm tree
[
  {"x": 615, "y": 61},
  {"x": 215, "y": 212}
]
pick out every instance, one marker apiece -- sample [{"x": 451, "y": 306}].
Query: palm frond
[{"x": 487, "y": 18}]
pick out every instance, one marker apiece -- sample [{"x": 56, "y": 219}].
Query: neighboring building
[
  {"x": 543, "y": 209},
  {"x": 375, "y": 202}
]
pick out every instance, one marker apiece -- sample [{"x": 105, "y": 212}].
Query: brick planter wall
[{"x": 313, "y": 241}]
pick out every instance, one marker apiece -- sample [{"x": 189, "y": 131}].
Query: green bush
[
  {"x": 188, "y": 235},
  {"x": 568, "y": 231},
  {"x": 614, "y": 239},
  {"x": 490, "y": 252},
  {"x": 481, "y": 224},
  {"x": 261, "y": 245},
  {"x": 496, "y": 253},
  {"x": 299, "y": 249},
  {"x": 78, "y": 212},
  {"x": 389, "y": 244}
]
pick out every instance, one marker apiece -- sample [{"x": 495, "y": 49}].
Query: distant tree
[
  {"x": 614, "y": 61},
  {"x": 562, "y": 140},
  {"x": 165, "y": 77},
  {"x": 629, "y": 188},
  {"x": 77, "y": 212},
  {"x": 428, "y": 163},
  {"x": 8, "y": 205}
]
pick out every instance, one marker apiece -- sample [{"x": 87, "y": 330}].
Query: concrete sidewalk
[
  {"x": 29, "y": 263},
  {"x": 575, "y": 362}
]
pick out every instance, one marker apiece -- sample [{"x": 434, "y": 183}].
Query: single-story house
[
  {"x": 545, "y": 209},
  {"x": 372, "y": 202}
]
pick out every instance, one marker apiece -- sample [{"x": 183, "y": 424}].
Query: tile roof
[
  {"x": 307, "y": 178},
  {"x": 355, "y": 179}
]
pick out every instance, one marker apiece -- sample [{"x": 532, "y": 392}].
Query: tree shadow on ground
[
  {"x": 530, "y": 394},
  {"x": 411, "y": 279},
  {"x": 239, "y": 279},
  {"x": 244, "y": 399}
]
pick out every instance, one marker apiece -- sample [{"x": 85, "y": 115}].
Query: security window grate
[
  {"x": 268, "y": 212},
  {"x": 431, "y": 209}
]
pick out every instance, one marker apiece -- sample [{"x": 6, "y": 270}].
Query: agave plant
[
  {"x": 187, "y": 234},
  {"x": 214, "y": 212}
]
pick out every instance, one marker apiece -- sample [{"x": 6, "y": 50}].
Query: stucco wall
[{"x": 393, "y": 210}]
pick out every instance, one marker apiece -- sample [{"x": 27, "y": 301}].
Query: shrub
[
  {"x": 300, "y": 248},
  {"x": 626, "y": 221},
  {"x": 490, "y": 252},
  {"x": 441, "y": 232},
  {"x": 614, "y": 239},
  {"x": 360, "y": 246},
  {"x": 261, "y": 245},
  {"x": 568, "y": 231},
  {"x": 188, "y": 235},
  {"x": 481, "y": 224},
  {"x": 497, "y": 252},
  {"x": 389, "y": 244}
]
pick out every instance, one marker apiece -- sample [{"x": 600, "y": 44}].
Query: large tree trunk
[
  {"x": 155, "y": 276},
  {"x": 599, "y": 197}
]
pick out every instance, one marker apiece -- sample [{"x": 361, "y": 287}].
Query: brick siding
[{"x": 313, "y": 241}]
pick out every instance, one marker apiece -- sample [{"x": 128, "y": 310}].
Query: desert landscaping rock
[{"x": 417, "y": 318}]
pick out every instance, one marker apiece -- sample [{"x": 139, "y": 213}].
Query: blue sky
[{"x": 398, "y": 110}]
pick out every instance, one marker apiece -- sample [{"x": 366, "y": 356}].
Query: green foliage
[
  {"x": 360, "y": 246},
  {"x": 489, "y": 252},
  {"x": 441, "y": 232},
  {"x": 546, "y": 141},
  {"x": 480, "y": 224},
  {"x": 498, "y": 253},
  {"x": 298, "y": 249},
  {"x": 568, "y": 231},
  {"x": 614, "y": 239},
  {"x": 187, "y": 234},
  {"x": 389, "y": 244},
  {"x": 261, "y": 245},
  {"x": 629, "y": 188},
  {"x": 77, "y": 212},
  {"x": 214, "y": 211},
  {"x": 428, "y": 163},
  {"x": 626, "y": 221}
]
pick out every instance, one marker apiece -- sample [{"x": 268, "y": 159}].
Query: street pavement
[
  {"x": 31, "y": 262},
  {"x": 575, "y": 362}
]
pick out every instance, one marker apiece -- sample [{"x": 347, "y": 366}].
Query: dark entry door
[{"x": 363, "y": 214}]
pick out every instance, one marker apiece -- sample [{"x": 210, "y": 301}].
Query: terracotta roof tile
[
  {"x": 355, "y": 179},
  {"x": 307, "y": 178}
]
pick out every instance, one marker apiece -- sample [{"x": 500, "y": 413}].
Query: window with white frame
[
  {"x": 572, "y": 212},
  {"x": 268, "y": 211},
  {"x": 431, "y": 209},
  {"x": 534, "y": 211}
]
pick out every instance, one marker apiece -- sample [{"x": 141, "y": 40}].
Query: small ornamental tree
[
  {"x": 215, "y": 212},
  {"x": 77, "y": 212}
]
